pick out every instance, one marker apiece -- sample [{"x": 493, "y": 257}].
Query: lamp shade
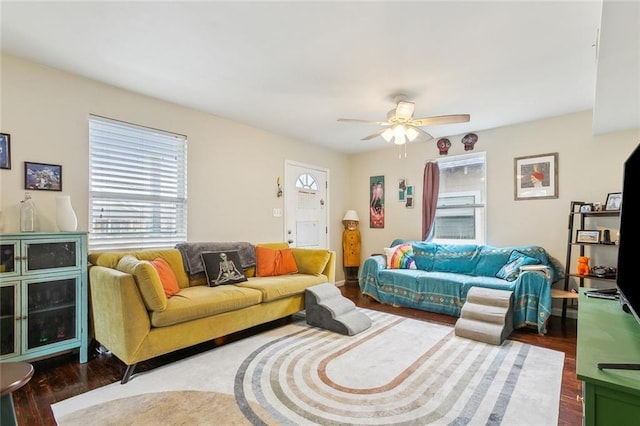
[{"x": 351, "y": 215}]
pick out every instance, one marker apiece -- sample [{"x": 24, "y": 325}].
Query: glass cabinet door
[
  {"x": 51, "y": 311},
  {"x": 8, "y": 318},
  {"x": 40, "y": 256},
  {"x": 9, "y": 258}
]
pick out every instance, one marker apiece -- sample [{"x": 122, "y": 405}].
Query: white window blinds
[{"x": 138, "y": 186}]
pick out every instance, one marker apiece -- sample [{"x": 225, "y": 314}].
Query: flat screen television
[{"x": 628, "y": 279}]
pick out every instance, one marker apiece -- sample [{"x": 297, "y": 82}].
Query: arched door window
[{"x": 307, "y": 181}]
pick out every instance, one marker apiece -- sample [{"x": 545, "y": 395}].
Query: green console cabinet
[
  {"x": 43, "y": 295},
  {"x": 608, "y": 334}
]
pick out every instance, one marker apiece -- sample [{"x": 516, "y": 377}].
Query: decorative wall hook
[{"x": 279, "y": 193}]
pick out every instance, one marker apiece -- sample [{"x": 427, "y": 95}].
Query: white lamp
[{"x": 351, "y": 215}]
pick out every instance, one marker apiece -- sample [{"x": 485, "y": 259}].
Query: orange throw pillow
[
  {"x": 272, "y": 262},
  {"x": 167, "y": 277}
]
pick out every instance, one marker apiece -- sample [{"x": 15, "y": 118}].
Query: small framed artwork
[
  {"x": 536, "y": 177},
  {"x": 402, "y": 189},
  {"x": 5, "y": 151},
  {"x": 42, "y": 177},
  {"x": 409, "y": 202},
  {"x": 588, "y": 236},
  {"x": 585, "y": 208},
  {"x": 614, "y": 200}
]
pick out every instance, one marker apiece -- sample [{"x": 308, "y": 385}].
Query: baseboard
[
  {"x": 571, "y": 313},
  {"x": 340, "y": 283}
]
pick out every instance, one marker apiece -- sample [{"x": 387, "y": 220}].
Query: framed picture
[
  {"x": 536, "y": 177},
  {"x": 402, "y": 189},
  {"x": 5, "y": 151},
  {"x": 409, "y": 202},
  {"x": 614, "y": 200},
  {"x": 585, "y": 208},
  {"x": 588, "y": 236},
  {"x": 376, "y": 202},
  {"x": 42, "y": 177}
]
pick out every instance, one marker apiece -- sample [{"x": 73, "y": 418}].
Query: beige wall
[
  {"x": 589, "y": 168},
  {"x": 232, "y": 168}
]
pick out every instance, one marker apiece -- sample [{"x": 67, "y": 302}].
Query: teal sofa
[{"x": 444, "y": 274}]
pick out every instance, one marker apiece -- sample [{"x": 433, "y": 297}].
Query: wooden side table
[{"x": 13, "y": 376}]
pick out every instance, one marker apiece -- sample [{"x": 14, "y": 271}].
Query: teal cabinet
[
  {"x": 608, "y": 334},
  {"x": 43, "y": 295}
]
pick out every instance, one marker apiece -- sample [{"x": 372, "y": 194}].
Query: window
[
  {"x": 307, "y": 181},
  {"x": 137, "y": 186},
  {"x": 460, "y": 215}
]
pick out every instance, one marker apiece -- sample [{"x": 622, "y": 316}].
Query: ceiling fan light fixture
[
  {"x": 400, "y": 140},
  {"x": 411, "y": 133},
  {"x": 398, "y": 131},
  {"x": 387, "y": 134}
]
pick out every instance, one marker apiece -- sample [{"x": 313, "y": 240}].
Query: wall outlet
[{"x": 277, "y": 212}]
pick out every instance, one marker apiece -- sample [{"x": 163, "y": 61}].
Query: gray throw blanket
[{"x": 193, "y": 262}]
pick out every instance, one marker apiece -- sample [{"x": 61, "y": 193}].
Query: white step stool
[{"x": 486, "y": 316}]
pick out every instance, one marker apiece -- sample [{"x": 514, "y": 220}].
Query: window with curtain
[
  {"x": 461, "y": 210},
  {"x": 137, "y": 186}
]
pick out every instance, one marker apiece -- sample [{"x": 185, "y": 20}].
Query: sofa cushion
[
  {"x": 400, "y": 257},
  {"x": 511, "y": 270},
  {"x": 147, "y": 280},
  {"x": 424, "y": 254},
  {"x": 172, "y": 256},
  {"x": 278, "y": 287},
  {"x": 492, "y": 259},
  {"x": 456, "y": 258},
  {"x": 222, "y": 267},
  {"x": 311, "y": 261},
  {"x": 167, "y": 277},
  {"x": 204, "y": 301},
  {"x": 271, "y": 262}
]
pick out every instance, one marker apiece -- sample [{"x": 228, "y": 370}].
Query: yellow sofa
[{"x": 135, "y": 322}]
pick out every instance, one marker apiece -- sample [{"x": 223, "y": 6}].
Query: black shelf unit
[{"x": 576, "y": 215}]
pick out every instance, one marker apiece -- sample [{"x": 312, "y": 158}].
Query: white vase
[{"x": 65, "y": 216}]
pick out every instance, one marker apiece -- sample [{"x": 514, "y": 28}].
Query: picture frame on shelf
[
  {"x": 586, "y": 208},
  {"x": 42, "y": 177},
  {"x": 588, "y": 236},
  {"x": 614, "y": 200},
  {"x": 536, "y": 177},
  {"x": 5, "y": 151}
]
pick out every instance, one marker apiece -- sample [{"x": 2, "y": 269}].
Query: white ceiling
[{"x": 294, "y": 68}]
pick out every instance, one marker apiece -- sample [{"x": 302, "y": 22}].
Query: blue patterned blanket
[{"x": 445, "y": 291}]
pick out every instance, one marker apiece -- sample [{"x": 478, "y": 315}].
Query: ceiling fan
[{"x": 402, "y": 127}]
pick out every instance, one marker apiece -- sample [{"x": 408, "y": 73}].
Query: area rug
[{"x": 401, "y": 371}]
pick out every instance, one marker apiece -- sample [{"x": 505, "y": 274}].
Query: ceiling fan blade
[
  {"x": 355, "y": 120},
  {"x": 425, "y": 133},
  {"x": 404, "y": 110},
  {"x": 373, "y": 135},
  {"x": 441, "y": 119}
]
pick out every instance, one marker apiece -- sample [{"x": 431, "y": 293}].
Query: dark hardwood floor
[{"x": 62, "y": 377}]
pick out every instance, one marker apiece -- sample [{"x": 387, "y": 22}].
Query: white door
[{"x": 306, "y": 205}]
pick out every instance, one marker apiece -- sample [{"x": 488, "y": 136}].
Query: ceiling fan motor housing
[{"x": 402, "y": 113}]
